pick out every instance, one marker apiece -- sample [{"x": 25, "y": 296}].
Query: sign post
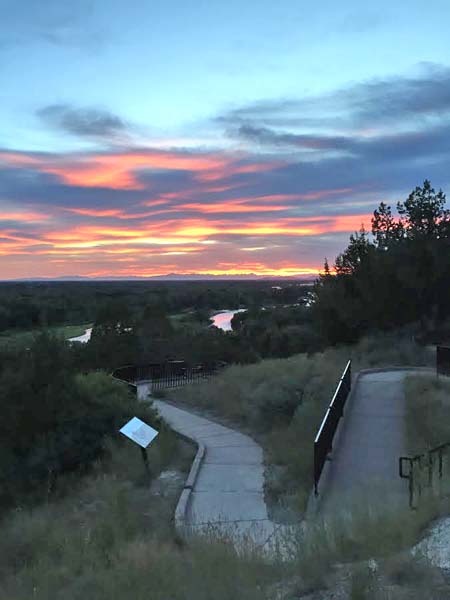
[
  {"x": 141, "y": 434},
  {"x": 442, "y": 360},
  {"x": 145, "y": 459}
]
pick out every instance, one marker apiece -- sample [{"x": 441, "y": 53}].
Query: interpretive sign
[{"x": 139, "y": 432}]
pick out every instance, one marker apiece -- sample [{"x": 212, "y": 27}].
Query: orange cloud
[
  {"x": 96, "y": 212},
  {"x": 199, "y": 231},
  {"x": 24, "y": 216},
  {"x": 228, "y": 169},
  {"x": 144, "y": 236},
  {"x": 118, "y": 171},
  {"x": 232, "y": 206}
]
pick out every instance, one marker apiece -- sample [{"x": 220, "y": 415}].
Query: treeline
[
  {"x": 278, "y": 332},
  {"x": 121, "y": 337},
  {"x": 27, "y": 305},
  {"x": 397, "y": 277}
]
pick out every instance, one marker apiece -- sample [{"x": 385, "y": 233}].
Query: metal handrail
[{"x": 323, "y": 441}]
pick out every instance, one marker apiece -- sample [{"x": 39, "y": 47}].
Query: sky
[{"x": 146, "y": 138}]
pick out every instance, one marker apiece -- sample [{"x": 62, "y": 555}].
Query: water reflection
[{"x": 222, "y": 320}]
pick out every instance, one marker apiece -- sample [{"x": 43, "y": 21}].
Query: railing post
[
  {"x": 430, "y": 470},
  {"x": 411, "y": 489}
]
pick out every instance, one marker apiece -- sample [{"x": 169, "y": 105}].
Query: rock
[
  {"x": 167, "y": 482},
  {"x": 436, "y": 545}
]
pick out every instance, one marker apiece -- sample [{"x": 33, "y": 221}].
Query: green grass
[{"x": 13, "y": 339}]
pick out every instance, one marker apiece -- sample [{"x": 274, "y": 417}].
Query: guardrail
[
  {"x": 164, "y": 375},
  {"x": 423, "y": 471},
  {"x": 323, "y": 442},
  {"x": 443, "y": 360}
]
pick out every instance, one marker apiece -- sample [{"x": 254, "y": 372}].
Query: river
[
  {"x": 82, "y": 338},
  {"x": 222, "y": 320}
]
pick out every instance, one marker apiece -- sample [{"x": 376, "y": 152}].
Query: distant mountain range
[{"x": 167, "y": 277}]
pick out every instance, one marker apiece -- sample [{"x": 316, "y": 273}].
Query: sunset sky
[{"x": 143, "y": 138}]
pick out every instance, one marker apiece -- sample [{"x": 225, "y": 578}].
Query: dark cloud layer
[
  {"x": 82, "y": 122},
  {"x": 366, "y": 104}
]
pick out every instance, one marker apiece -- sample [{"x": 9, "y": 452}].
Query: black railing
[
  {"x": 323, "y": 442},
  {"x": 443, "y": 360},
  {"x": 164, "y": 375},
  {"x": 424, "y": 470}
]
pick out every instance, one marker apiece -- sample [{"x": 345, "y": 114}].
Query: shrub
[{"x": 58, "y": 420}]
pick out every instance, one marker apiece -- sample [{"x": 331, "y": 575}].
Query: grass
[
  {"x": 364, "y": 546},
  {"x": 283, "y": 401},
  {"x": 427, "y": 412},
  {"x": 113, "y": 535},
  {"x": 113, "y": 539},
  {"x": 427, "y": 400},
  {"x": 13, "y": 339}
]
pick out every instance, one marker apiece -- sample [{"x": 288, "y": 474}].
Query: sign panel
[{"x": 139, "y": 432}]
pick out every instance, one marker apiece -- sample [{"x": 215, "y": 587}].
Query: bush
[{"x": 58, "y": 420}]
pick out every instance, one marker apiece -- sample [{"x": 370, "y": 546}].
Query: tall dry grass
[
  {"x": 427, "y": 400},
  {"x": 112, "y": 539}
]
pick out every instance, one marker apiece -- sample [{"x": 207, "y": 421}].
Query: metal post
[
  {"x": 430, "y": 469},
  {"x": 411, "y": 490},
  {"x": 145, "y": 459}
]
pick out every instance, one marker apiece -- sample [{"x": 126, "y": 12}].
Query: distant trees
[
  {"x": 399, "y": 276},
  {"x": 113, "y": 341},
  {"x": 277, "y": 332}
]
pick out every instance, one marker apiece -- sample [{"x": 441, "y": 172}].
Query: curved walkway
[{"x": 228, "y": 492}]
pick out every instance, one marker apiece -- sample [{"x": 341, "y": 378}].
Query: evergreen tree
[{"x": 423, "y": 214}]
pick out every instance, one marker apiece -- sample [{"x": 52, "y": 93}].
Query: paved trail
[
  {"x": 228, "y": 492},
  {"x": 373, "y": 437}
]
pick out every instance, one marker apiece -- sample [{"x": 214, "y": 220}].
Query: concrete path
[
  {"x": 228, "y": 493},
  {"x": 372, "y": 438}
]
